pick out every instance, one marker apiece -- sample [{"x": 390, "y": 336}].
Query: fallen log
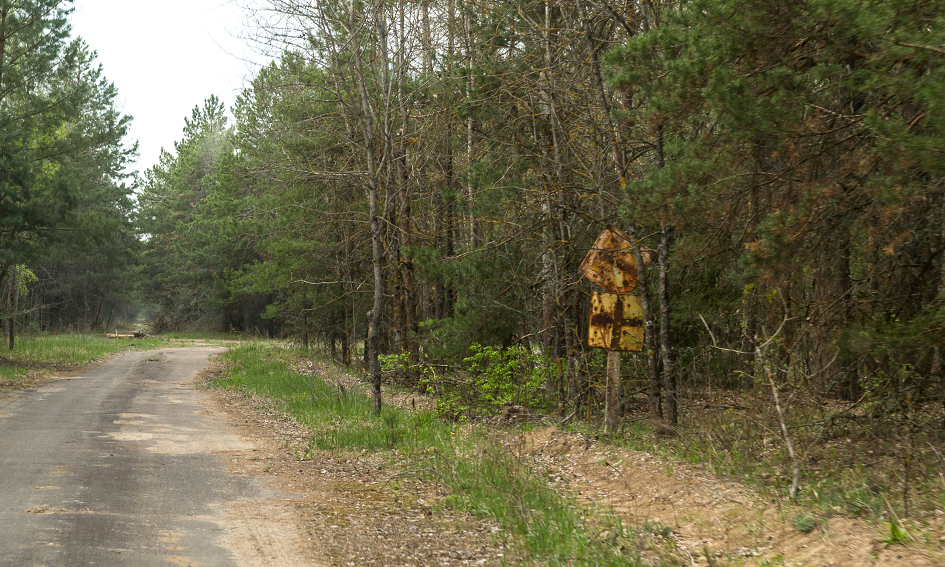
[{"x": 133, "y": 335}]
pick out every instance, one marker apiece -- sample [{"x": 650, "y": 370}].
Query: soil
[
  {"x": 362, "y": 509},
  {"x": 711, "y": 521}
]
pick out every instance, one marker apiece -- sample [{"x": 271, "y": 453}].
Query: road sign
[
  {"x": 611, "y": 263},
  {"x": 616, "y": 322}
]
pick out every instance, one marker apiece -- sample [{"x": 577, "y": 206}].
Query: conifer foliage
[
  {"x": 66, "y": 240},
  {"x": 424, "y": 176}
]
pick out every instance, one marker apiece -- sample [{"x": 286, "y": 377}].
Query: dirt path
[{"x": 362, "y": 510}]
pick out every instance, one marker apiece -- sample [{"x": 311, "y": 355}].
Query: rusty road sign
[
  {"x": 611, "y": 263},
  {"x": 616, "y": 322}
]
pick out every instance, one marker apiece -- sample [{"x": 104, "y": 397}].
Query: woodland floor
[{"x": 365, "y": 509}]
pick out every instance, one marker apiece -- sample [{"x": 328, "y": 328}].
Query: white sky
[{"x": 166, "y": 57}]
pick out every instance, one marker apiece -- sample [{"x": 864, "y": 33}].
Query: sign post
[{"x": 617, "y": 318}]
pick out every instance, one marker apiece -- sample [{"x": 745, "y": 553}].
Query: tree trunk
[
  {"x": 305, "y": 338},
  {"x": 666, "y": 345},
  {"x": 620, "y": 160},
  {"x": 753, "y": 366},
  {"x": 15, "y": 305},
  {"x": 549, "y": 312},
  {"x": 367, "y": 124},
  {"x": 471, "y": 145},
  {"x": 397, "y": 291},
  {"x": 345, "y": 350},
  {"x": 654, "y": 394},
  {"x": 410, "y": 330}
]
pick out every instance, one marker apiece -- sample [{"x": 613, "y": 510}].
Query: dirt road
[{"x": 125, "y": 465}]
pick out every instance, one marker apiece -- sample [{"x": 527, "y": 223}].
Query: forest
[{"x": 410, "y": 186}]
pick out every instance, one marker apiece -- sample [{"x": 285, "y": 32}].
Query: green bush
[
  {"x": 493, "y": 377},
  {"x": 505, "y": 376}
]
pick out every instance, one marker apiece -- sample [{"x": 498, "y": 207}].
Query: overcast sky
[{"x": 165, "y": 57}]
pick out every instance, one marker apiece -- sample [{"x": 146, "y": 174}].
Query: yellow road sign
[
  {"x": 611, "y": 264},
  {"x": 616, "y": 322}
]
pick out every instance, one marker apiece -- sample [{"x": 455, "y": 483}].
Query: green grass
[
  {"x": 43, "y": 351},
  {"x": 804, "y": 523},
  {"x": 896, "y": 534},
  {"x": 483, "y": 478}
]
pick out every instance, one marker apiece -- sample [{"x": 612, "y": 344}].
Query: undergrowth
[
  {"x": 483, "y": 478},
  {"x": 849, "y": 463},
  {"x": 489, "y": 380}
]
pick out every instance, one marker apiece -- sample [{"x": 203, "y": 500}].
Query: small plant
[
  {"x": 393, "y": 362},
  {"x": 804, "y": 523},
  {"x": 897, "y": 535},
  {"x": 657, "y": 529},
  {"x": 393, "y": 431}
]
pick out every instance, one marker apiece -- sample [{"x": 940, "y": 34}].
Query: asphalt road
[{"x": 120, "y": 465}]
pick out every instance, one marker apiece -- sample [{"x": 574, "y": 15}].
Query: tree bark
[
  {"x": 654, "y": 392},
  {"x": 367, "y": 124},
  {"x": 471, "y": 144},
  {"x": 410, "y": 328},
  {"x": 666, "y": 344}
]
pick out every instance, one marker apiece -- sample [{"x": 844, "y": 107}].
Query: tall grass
[
  {"x": 34, "y": 351},
  {"x": 482, "y": 476},
  {"x": 339, "y": 419}
]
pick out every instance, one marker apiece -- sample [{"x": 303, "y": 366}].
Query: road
[{"x": 120, "y": 465}]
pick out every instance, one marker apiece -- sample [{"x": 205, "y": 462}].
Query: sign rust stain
[
  {"x": 616, "y": 322},
  {"x": 611, "y": 264}
]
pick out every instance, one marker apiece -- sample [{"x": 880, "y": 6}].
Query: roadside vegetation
[
  {"x": 878, "y": 460},
  {"x": 845, "y": 468},
  {"x": 479, "y": 474}
]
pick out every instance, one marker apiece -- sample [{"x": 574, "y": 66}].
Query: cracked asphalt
[{"x": 119, "y": 465}]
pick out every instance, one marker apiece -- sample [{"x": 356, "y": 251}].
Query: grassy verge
[
  {"x": 481, "y": 475},
  {"x": 35, "y": 353}
]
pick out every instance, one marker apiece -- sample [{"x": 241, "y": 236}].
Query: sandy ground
[{"x": 361, "y": 509}]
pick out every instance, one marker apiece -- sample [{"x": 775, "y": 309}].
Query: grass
[
  {"x": 804, "y": 523},
  {"x": 896, "y": 535},
  {"x": 42, "y": 351},
  {"x": 483, "y": 478}
]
